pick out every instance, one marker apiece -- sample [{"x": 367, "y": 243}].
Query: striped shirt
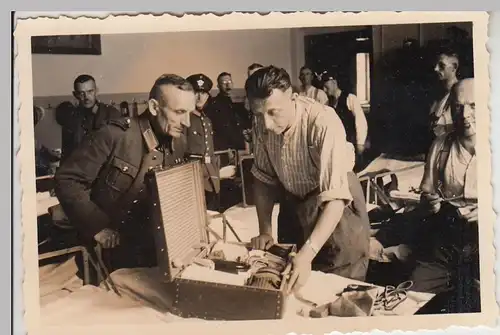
[{"x": 312, "y": 154}]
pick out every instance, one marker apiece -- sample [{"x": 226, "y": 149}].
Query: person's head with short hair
[
  {"x": 330, "y": 82},
  {"x": 446, "y": 66},
  {"x": 253, "y": 67},
  {"x": 306, "y": 75},
  {"x": 85, "y": 91},
  {"x": 269, "y": 91},
  {"x": 225, "y": 83},
  {"x": 171, "y": 99},
  {"x": 463, "y": 108},
  {"x": 202, "y": 85},
  {"x": 65, "y": 112},
  {"x": 38, "y": 114}
]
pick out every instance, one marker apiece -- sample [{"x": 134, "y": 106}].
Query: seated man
[{"x": 447, "y": 253}]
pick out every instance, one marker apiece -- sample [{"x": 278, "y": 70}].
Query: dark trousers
[
  {"x": 346, "y": 252},
  {"x": 213, "y": 201},
  {"x": 447, "y": 255}
]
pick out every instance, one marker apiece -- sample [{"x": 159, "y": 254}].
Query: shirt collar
[{"x": 298, "y": 109}]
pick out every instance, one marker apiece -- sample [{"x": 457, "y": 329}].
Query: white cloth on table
[
  {"x": 146, "y": 299},
  {"x": 43, "y": 202},
  {"x": 58, "y": 280}
]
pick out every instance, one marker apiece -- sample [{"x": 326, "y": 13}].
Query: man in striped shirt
[{"x": 303, "y": 160}]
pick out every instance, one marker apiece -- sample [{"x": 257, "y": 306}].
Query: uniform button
[
  {"x": 154, "y": 157},
  {"x": 150, "y": 168},
  {"x": 125, "y": 169},
  {"x": 135, "y": 201},
  {"x": 128, "y": 121}
]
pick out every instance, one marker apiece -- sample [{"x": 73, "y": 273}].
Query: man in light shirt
[
  {"x": 447, "y": 255},
  {"x": 446, "y": 68},
  {"x": 303, "y": 160},
  {"x": 307, "y": 88},
  {"x": 349, "y": 110}
]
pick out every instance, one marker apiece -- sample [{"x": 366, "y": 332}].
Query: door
[{"x": 338, "y": 52}]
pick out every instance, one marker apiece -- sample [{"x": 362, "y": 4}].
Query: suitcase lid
[{"x": 179, "y": 215}]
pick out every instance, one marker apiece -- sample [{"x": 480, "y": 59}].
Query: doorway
[{"x": 348, "y": 54}]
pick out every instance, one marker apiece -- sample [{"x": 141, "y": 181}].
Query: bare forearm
[
  {"x": 327, "y": 222},
  {"x": 265, "y": 197}
]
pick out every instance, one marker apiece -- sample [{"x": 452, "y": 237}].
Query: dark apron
[{"x": 346, "y": 252}]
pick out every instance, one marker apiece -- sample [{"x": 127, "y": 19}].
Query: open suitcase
[{"x": 256, "y": 290}]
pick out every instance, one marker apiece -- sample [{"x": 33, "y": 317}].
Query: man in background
[
  {"x": 200, "y": 140},
  {"x": 101, "y": 186},
  {"x": 349, "y": 110},
  {"x": 228, "y": 118},
  {"x": 446, "y": 68},
  {"x": 89, "y": 115},
  {"x": 307, "y": 88}
]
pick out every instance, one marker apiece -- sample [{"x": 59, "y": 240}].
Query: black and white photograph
[{"x": 304, "y": 173}]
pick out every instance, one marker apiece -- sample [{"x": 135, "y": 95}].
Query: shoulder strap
[
  {"x": 443, "y": 155},
  {"x": 123, "y": 123}
]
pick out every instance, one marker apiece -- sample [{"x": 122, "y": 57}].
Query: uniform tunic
[
  {"x": 101, "y": 185},
  {"x": 81, "y": 123},
  {"x": 200, "y": 145}
]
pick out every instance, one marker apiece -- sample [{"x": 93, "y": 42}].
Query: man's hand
[
  {"x": 301, "y": 269},
  {"x": 262, "y": 242},
  {"x": 108, "y": 238},
  {"x": 431, "y": 202},
  {"x": 472, "y": 215}
]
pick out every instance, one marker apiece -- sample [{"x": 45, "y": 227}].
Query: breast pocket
[{"x": 121, "y": 175}]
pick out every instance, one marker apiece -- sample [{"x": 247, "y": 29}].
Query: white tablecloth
[
  {"x": 43, "y": 202},
  {"x": 146, "y": 300}
]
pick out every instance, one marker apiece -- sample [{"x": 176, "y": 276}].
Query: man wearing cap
[
  {"x": 349, "y": 111},
  {"x": 101, "y": 185},
  {"x": 200, "y": 141}
]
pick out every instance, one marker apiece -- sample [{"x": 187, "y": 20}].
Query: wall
[{"x": 130, "y": 63}]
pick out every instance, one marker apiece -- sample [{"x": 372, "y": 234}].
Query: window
[{"x": 363, "y": 77}]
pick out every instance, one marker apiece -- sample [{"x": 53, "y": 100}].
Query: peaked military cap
[
  {"x": 328, "y": 75},
  {"x": 200, "y": 82}
]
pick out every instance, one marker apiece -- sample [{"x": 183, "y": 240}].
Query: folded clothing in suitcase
[{"x": 214, "y": 280}]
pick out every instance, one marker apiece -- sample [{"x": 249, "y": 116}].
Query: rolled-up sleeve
[
  {"x": 262, "y": 168},
  {"x": 329, "y": 139},
  {"x": 430, "y": 177}
]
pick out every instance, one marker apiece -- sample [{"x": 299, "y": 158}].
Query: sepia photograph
[{"x": 309, "y": 172}]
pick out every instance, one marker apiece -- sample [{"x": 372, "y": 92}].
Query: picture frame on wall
[{"x": 66, "y": 45}]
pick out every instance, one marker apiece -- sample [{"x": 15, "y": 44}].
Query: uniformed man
[
  {"x": 200, "y": 141},
  {"x": 101, "y": 185},
  {"x": 229, "y": 118},
  {"x": 89, "y": 114}
]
